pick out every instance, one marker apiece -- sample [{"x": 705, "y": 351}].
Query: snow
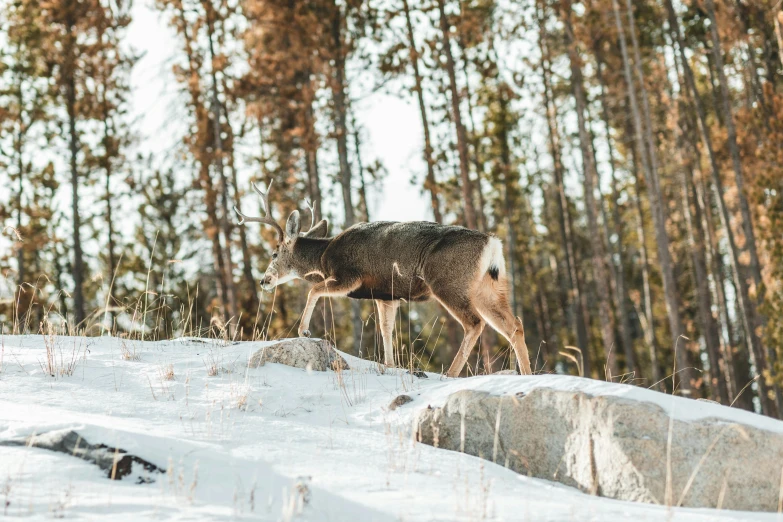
[
  {"x": 244, "y": 443},
  {"x": 678, "y": 407}
]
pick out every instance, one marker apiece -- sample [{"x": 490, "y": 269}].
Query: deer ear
[
  {"x": 292, "y": 226},
  {"x": 319, "y": 230}
]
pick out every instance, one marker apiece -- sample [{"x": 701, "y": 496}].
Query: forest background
[{"x": 628, "y": 153}]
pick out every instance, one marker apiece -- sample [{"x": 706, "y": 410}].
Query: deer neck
[{"x": 308, "y": 252}]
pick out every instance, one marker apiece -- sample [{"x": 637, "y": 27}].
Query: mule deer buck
[{"x": 462, "y": 269}]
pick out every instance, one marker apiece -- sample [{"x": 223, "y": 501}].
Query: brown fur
[{"x": 389, "y": 261}]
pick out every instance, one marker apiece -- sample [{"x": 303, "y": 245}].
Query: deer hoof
[{"x": 305, "y": 333}]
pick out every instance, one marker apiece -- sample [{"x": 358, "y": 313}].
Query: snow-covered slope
[{"x": 243, "y": 443}]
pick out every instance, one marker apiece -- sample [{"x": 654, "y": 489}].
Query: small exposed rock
[
  {"x": 506, "y": 372},
  {"x": 116, "y": 462},
  {"x": 302, "y": 488},
  {"x": 314, "y": 354},
  {"x": 339, "y": 364},
  {"x": 399, "y": 401},
  {"x": 418, "y": 373}
]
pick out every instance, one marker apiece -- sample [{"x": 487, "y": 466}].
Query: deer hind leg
[
  {"x": 387, "y": 311},
  {"x": 492, "y": 303},
  {"x": 460, "y": 307},
  {"x": 326, "y": 288}
]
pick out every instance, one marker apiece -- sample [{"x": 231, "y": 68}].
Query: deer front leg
[
  {"x": 387, "y": 310},
  {"x": 326, "y": 288}
]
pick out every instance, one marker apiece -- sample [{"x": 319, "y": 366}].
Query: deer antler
[
  {"x": 311, "y": 208},
  {"x": 267, "y": 219}
]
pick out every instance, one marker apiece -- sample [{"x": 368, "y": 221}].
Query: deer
[{"x": 387, "y": 262}]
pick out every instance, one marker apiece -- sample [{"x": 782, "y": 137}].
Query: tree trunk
[
  {"x": 709, "y": 327},
  {"x": 746, "y": 306},
  {"x": 756, "y": 86},
  {"x": 21, "y": 304},
  {"x": 743, "y": 356},
  {"x": 489, "y": 339},
  {"x": 311, "y": 151},
  {"x": 363, "y": 205},
  {"x": 474, "y": 142},
  {"x": 505, "y": 161},
  {"x": 564, "y": 214},
  {"x": 600, "y": 275},
  {"x": 77, "y": 270},
  {"x": 747, "y": 223},
  {"x": 341, "y": 129},
  {"x": 607, "y": 242},
  {"x": 18, "y": 152},
  {"x": 250, "y": 293},
  {"x": 217, "y": 131},
  {"x": 20, "y": 264},
  {"x": 710, "y": 247},
  {"x": 646, "y": 317},
  {"x": 644, "y": 134},
  {"x": 429, "y": 184},
  {"x": 779, "y": 33},
  {"x": 621, "y": 292},
  {"x": 109, "y": 220},
  {"x": 210, "y": 197},
  {"x": 107, "y": 167},
  {"x": 59, "y": 271},
  {"x": 462, "y": 140},
  {"x": 692, "y": 207}
]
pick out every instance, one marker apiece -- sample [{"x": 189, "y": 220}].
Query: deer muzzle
[{"x": 269, "y": 282}]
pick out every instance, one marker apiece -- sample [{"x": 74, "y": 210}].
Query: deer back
[{"x": 401, "y": 260}]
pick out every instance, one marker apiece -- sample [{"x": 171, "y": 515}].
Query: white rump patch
[{"x": 492, "y": 257}]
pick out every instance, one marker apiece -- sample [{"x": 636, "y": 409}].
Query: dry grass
[
  {"x": 167, "y": 373},
  {"x": 239, "y": 395},
  {"x": 212, "y": 368},
  {"x": 177, "y": 483},
  {"x": 6, "y": 491},
  {"x": 401, "y": 449},
  {"x": 2, "y": 353},
  {"x": 352, "y": 384},
  {"x": 58, "y": 362},
  {"x": 297, "y": 499},
  {"x": 473, "y": 501},
  {"x": 129, "y": 354}
]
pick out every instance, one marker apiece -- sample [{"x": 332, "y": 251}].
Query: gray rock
[
  {"x": 317, "y": 354},
  {"x": 506, "y": 372},
  {"x": 613, "y": 447},
  {"x": 400, "y": 400},
  {"x": 116, "y": 462}
]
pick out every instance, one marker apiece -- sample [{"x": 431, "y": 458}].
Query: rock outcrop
[
  {"x": 116, "y": 462},
  {"x": 316, "y": 354},
  {"x": 613, "y": 447}
]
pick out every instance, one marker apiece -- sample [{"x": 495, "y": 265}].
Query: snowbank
[{"x": 271, "y": 443}]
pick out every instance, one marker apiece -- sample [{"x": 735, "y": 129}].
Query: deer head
[{"x": 286, "y": 263}]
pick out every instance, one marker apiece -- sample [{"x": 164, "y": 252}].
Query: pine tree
[{"x": 600, "y": 275}]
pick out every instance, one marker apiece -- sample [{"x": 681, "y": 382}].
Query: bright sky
[{"x": 391, "y": 124}]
